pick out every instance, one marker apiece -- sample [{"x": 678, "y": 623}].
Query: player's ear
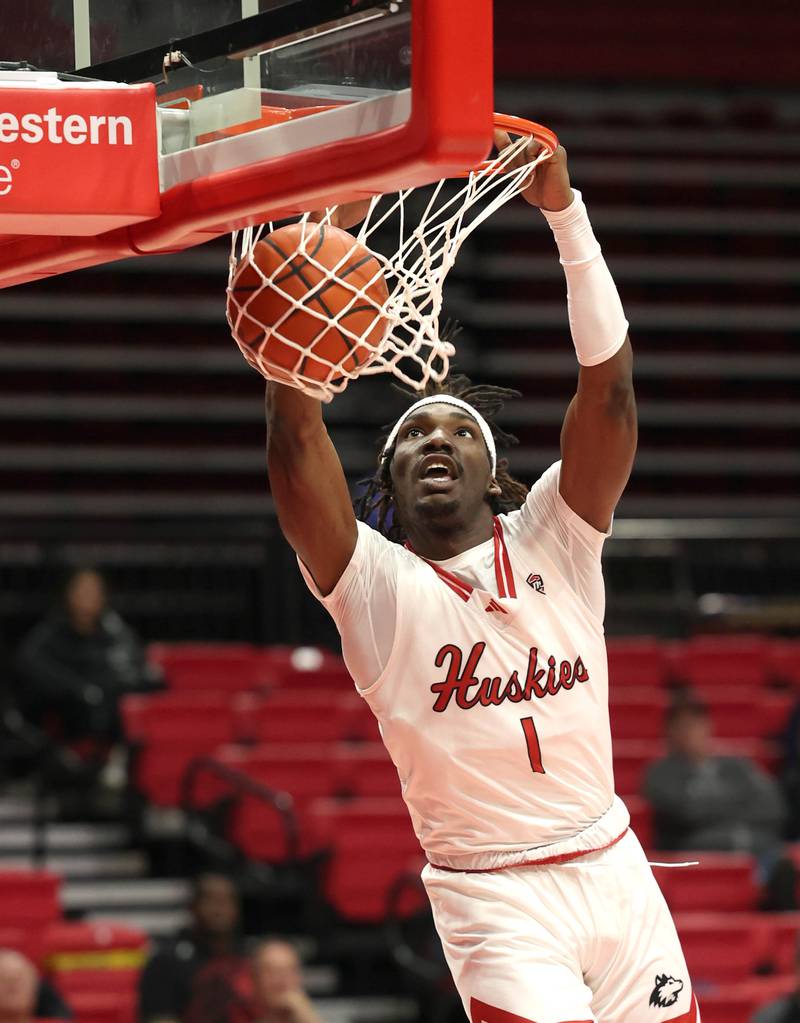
[{"x": 494, "y": 489}]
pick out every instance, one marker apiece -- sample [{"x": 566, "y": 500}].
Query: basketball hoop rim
[
  {"x": 522, "y": 126},
  {"x": 503, "y": 122}
]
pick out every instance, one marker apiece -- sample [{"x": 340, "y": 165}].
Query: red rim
[{"x": 521, "y": 126}]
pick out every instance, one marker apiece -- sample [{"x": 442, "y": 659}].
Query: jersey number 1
[{"x": 532, "y": 742}]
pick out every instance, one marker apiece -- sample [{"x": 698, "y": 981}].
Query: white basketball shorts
[{"x": 589, "y": 941}]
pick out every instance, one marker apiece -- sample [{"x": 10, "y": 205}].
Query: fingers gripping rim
[{"x": 524, "y": 128}]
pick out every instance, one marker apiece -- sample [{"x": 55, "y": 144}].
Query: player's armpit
[
  {"x": 308, "y": 485},
  {"x": 598, "y": 439}
]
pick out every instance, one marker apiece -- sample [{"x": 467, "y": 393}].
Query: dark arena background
[{"x": 132, "y": 442}]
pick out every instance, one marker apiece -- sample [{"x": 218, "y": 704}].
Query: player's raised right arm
[{"x": 308, "y": 485}]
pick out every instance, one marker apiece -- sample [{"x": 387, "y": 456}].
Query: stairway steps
[
  {"x": 124, "y": 865},
  {"x": 152, "y": 894},
  {"x": 64, "y": 837}
]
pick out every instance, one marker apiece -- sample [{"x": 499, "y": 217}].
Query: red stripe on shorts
[
  {"x": 692, "y": 1016},
  {"x": 481, "y": 1012}
]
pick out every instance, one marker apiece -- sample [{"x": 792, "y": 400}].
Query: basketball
[{"x": 320, "y": 267}]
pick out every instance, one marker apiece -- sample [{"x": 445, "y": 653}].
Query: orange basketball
[{"x": 270, "y": 316}]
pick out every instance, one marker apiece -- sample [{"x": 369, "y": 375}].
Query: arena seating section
[{"x": 94, "y": 965}]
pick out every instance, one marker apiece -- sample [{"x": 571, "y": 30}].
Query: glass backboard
[
  {"x": 226, "y": 59},
  {"x": 267, "y": 108}
]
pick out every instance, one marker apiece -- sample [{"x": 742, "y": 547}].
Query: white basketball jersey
[{"x": 492, "y": 696}]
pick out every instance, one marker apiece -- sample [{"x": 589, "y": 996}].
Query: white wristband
[{"x": 596, "y": 318}]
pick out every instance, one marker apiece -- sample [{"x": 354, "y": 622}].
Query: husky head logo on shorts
[{"x": 666, "y": 991}]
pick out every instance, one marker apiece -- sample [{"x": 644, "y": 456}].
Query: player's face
[{"x": 440, "y": 469}]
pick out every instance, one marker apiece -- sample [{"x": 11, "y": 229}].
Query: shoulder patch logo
[
  {"x": 666, "y": 991},
  {"x": 536, "y": 582}
]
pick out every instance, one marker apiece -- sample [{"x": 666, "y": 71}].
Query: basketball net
[{"x": 422, "y": 229}]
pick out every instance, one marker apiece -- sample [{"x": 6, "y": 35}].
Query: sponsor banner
[{"x": 77, "y": 161}]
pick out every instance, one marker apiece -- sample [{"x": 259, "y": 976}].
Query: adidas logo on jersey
[
  {"x": 494, "y": 606},
  {"x": 535, "y": 582}
]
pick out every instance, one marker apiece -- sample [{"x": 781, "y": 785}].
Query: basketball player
[{"x": 478, "y": 644}]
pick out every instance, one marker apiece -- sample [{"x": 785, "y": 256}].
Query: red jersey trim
[
  {"x": 502, "y": 563},
  {"x": 548, "y": 861},
  {"x": 503, "y": 573},
  {"x": 692, "y": 1016}
]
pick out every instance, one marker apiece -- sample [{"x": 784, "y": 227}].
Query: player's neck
[{"x": 441, "y": 544}]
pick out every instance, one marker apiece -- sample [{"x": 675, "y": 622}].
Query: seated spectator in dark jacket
[
  {"x": 702, "y": 800},
  {"x": 278, "y": 994},
  {"x": 705, "y": 801},
  {"x": 192, "y": 978},
  {"x": 76, "y": 665},
  {"x": 783, "y": 1010}
]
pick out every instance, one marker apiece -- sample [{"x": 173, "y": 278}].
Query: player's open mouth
[
  {"x": 438, "y": 473},
  {"x": 437, "y": 467}
]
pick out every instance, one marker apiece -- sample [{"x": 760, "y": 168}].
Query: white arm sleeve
[
  {"x": 363, "y": 604},
  {"x": 596, "y": 318}
]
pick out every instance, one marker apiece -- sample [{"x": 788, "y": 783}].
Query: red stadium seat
[
  {"x": 75, "y": 945},
  {"x": 122, "y": 983},
  {"x": 636, "y": 662},
  {"x": 25, "y": 940},
  {"x": 736, "y": 1003},
  {"x": 784, "y": 662},
  {"x": 723, "y": 882},
  {"x": 168, "y": 717},
  {"x": 174, "y": 729},
  {"x": 311, "y": 716},
  {"x": 103, "y": 1006},
  {"x": 638, "y": 713},
  {"x": 641, "y": 819},
  {"x": 708, "y": 661},
  {"x": 719, "y": 947},
  {"x": 29, "y": 898},
  {"x": 212, "y": 666},
  {"x": 301, "y": 667},
  {"x": 631, "y": 757},
  {"x": 741, "y": 713},
  {"x": 724, "y": 1006},
  {"x": 373, "y": 844},
  {"x": 785, "y": 933},
  {"x": 367, "y": 770},
  {"x": 305, "y": 770}
]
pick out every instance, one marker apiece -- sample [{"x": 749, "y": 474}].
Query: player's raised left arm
[{"x": 598, "y": 438}]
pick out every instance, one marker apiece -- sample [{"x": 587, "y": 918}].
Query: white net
[{"x": 414, "y": 236}]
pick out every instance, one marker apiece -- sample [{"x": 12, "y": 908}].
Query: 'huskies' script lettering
[{"x": 471, "y": 691}]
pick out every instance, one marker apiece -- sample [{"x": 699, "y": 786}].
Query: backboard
[{"x": 267, "y": 108}]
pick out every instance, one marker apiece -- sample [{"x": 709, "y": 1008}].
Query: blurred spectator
[
  {"x": 192, "y": 978},
  {"x": 705, "y": 801},
  {"x": 278, "y": 995},
  {"x": 783, "y": 1010},
  {"x": 790, "y": 775},
  {"x": 19, "y": 985},
  {"x": 77, "y": 664},
  {"x": 49, "y": 1003},
  {"x": 17, "y": 1002}
]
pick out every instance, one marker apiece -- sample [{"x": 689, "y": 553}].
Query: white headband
[{"x": 447, "y": 399}]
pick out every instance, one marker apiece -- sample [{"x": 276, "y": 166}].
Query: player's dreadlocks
[{"x": 489, "y": 401}]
